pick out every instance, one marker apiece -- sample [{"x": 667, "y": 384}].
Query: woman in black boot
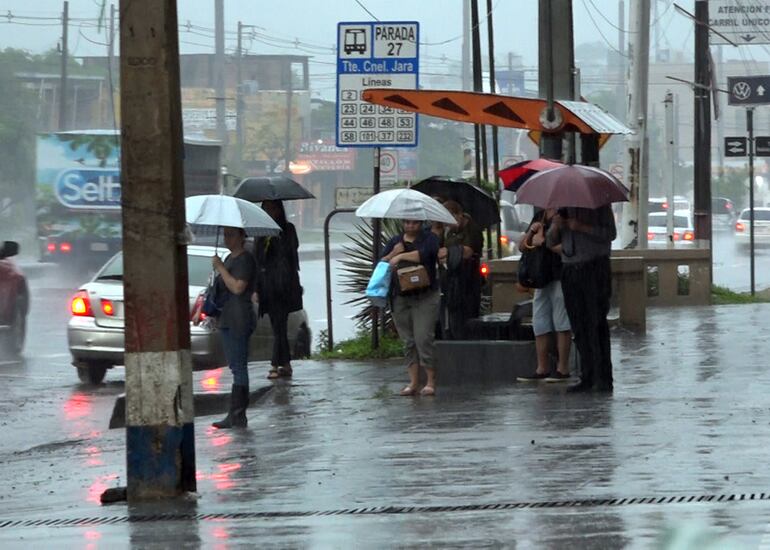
[{"x": 237, "y": 320}]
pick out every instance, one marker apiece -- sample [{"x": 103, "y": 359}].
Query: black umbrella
[
  {"x": 271, "y": 188},
  {"x": 480, "y": 205}
]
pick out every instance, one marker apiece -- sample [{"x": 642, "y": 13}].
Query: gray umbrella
[{"x": 271, "y": 188}]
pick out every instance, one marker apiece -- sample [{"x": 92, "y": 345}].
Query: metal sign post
[
  {"x": 375, "y": 55},
  {"x": 750, "y": 130}
]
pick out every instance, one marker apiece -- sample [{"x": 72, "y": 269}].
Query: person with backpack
[
  {"x": 278, "y": 287},
  {"x": 415, "y": 300},
  {"x": 549, "y": 313}
]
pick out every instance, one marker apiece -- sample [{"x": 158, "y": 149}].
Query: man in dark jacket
[{"x": 586, "y": 237}]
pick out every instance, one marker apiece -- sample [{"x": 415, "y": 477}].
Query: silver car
[{"x": 95, "y": 330}]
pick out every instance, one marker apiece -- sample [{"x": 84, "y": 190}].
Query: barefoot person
[{"x": 415, "y": 311}]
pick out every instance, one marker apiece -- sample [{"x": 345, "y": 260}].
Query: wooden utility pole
[
  {"x": 63, "y": 84},
  {"x": 160, "y": 444},
  {"x": 634, "y": 226},
  {"x": 493, "y": 90}
]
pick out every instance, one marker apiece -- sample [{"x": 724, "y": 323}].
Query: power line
[
  {"x": 367, "y": 10},
  {"x": 596, "y": 26}
]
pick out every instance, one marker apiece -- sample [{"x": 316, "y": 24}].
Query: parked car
[
  {"x": 511, "y": 226},
  {"x": 657, "y": 229},
  {"x": 14, "y": 301},
  {"x": 723, "y": 214},
  {"x": 761, "y": 227},
  {"x": 96, "y": 334}
]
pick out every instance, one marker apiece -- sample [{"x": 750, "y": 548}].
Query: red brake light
[
  {"x": 51, "y": 247},
  {"x": 677, "y": 236},
  {"x": 81, "y": 305},
  {"x": 650, "y": 236},
  {"x": 108, "y": 308},
  {"x": 503, "y": 239},
  {"x": 689, "y": 236},
  {"x": 484, "y": 269},
  {"x": 665, "y": 206},
  {"x": 740, "y": 227},
  {"x": 65, "y": 248}
]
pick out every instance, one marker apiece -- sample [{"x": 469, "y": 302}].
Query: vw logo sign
[
  {"x": 89, "y": 188},
  {"x": 742, "y": 90}
]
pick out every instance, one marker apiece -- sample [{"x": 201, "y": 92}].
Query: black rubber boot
[{"x": 236, "y": 417}]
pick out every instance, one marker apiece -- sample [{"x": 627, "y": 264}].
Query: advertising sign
[
  {"x": 324, "y": 157},
  {"x": 375, "y": 55}
]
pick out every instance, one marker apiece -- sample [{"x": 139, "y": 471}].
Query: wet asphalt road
[{"x": 690, "y": 418}]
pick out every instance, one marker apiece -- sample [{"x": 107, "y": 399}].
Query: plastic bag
[{"x": 379, "y": 285}]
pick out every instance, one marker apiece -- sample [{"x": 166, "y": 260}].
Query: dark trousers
[
  {"x": 237, "y": 352},
  {"x": 279, "y": 321},
  {"x": 587, "y": 289}
]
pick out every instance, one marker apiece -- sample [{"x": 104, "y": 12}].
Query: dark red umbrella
[
  {"x": 573, "y": 185},
  {"x": 515, "y": 175}
]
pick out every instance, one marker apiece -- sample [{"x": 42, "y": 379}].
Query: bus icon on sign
[{"x": 355, "y": 41}]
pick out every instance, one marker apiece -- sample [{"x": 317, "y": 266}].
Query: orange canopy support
[{"x": 497, "y": 110}]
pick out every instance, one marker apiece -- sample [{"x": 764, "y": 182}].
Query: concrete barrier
[{"x": 483, "y": 362}]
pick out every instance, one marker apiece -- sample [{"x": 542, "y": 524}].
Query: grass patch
[
  {"x": 721, "y": 295},
  {"x": 360, "y": 347}
]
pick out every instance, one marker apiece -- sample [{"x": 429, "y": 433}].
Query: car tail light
[
  {"x": 665, "y": 206},
  {"x": 51, "y": 247},
  {"x": 108, "y": 308},
  {"x": 81, "y": 305},
  {"x": 504, "y": 239},
  {"x": 740, "y": 227},
  {"x": 650, "y": 236},
  {"x": 729, "y": 205},
  {"x": 65, "y": 247},
  {"x": 197, "y": 306},
  {"x": 677, "y": 236},
  {"x": 689, "y": 236},
  {"x": 484, "y": 270}
]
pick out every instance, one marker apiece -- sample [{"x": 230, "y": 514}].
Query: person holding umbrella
[
  {"x": 584, "y": 226},
  {"x": 278, "y": 287},
  {"x": 415, "y": 313}
]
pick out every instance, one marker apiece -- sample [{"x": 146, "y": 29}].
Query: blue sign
[
  {"x": 89, "y": 188},
  {"x": 376, "y": 55}
]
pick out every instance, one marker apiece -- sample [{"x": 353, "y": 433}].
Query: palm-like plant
[{"x": 357, "y": 269}]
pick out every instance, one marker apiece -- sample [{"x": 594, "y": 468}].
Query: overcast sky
[{"x": 307, "y": 27}]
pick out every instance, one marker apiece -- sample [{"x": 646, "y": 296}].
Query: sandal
[
  {"x": 428, "y": 391},
  {"x": 285, "y": 372},
  {"x": 408, "y": 390},
  {"x": 273, "y": 374}
]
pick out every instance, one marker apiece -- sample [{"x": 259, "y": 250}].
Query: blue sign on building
[{"x": 89, "y": 188}]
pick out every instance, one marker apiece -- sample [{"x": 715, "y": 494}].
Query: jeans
[
  {"x": 587, "y": 289},
  {"x": 279, "y": 321},
  {"x": 237, "y": 352}
]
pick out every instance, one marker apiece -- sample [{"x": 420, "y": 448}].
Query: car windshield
[
  {"x": 720, "y": 206},
  {"x": 759, "y": 215},
  {"x": 659, "y": 220},
  {"x": 198, "y": 270}
]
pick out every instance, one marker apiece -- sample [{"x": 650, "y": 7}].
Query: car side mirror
[{"x": 9, "y": 248}]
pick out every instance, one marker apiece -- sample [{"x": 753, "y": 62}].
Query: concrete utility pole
[
  {"x": 466, "y": 46},
  {"x": 634, "y": 226},
  {"x": 219, "y": 70},
  {"x": 63, "y": 92},
  {"x": 493, "y": 90},
  {"x": 556, "y": 61},
  {"x": 669, "y": 169},
  {"x": 160, "y": 444},
  {"x": 482, "y": 170},
  {"x": 239, "y": 95},
  {"x": 702, "y": 129},
  {"x": 287, "y": 138}
]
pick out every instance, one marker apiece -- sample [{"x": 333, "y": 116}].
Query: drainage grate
[{"x": 382, "y": 510}]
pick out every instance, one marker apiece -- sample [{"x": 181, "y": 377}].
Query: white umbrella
[
  {"x": 404, "y": 204},
  {"x": 224, "y": 210}
]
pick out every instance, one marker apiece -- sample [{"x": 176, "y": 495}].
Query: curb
[{"x": 205, "y": 404}]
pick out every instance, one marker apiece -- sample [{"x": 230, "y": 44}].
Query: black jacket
[{"x": 278, "y": 272}]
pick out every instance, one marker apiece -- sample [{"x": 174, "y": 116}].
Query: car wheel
[
  {"x": 13, "y": 340},
  {"x": 302, "y": 343},
  {"x": 92, "y": 373}
]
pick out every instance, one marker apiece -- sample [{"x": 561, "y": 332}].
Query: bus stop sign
[{"x": 375, "y": 55}]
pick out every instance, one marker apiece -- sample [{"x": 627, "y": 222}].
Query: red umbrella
[
  {"x": 574, "y": 185},
  {"x": 515, "y": 175}
]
